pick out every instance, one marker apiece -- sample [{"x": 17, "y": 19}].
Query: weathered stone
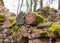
[
  {"x": 7, "y": 41},
  {"x": 6, "y": 24},
  {"x": 57, "y": 41},
  {"x": 52, "y": 10},
  {"x": 50, "y": 14},
  {"x": 30, "y": 18},
  {"x": 18, "y": 40},
  {"x": 53, "y": 16},
  {"x": 43, "y": 25},
  {"x": 28, "y": 26},
  {"x": 1, "y": 40},
  {"x": 39, "y": 41},
  {"x": 2, "y": 36},
  {"x": 58, "y": 32},
  {"x": 52, "y": 35},
  {"x": 24, "y": 31},
  {"x": 34, "y": 34},
  {"x": 12, "y": 41},
  {"x": 7, "y": 32},
  {"x": 20, "y": 19},
  {"x": 1, "y": 28}
]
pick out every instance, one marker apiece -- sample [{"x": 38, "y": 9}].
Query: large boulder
[{"x": 30, "y": 18}]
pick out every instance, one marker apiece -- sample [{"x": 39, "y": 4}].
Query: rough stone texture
[
  {"x": 7, "y": 32},
  {"x": 6, "y": 23},
  {"x": 57, "y": 41},
  {"x": 6, "y": 41},
  {"x": 28, "y": 33},
  {"x": 1, "y": 40},
  {"x": 30, "y": 18},
  {"x": 39, "y": 41},
  {"x": 35, "y": 33},
  {"x": 20, "y": 19},
  {"x": 51, "y": 14},
  {"x": 24, "y": 31}
]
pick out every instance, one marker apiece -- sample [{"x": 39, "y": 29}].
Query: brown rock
[
  {"x": 52, "y": 35},
  {"x": 1, "y": 40},
  {"x": 39, "y": 41},
  {"x": 57, "y": 41},
  {"x": 7, "y": 32},
  {"x": 9, "y": 14},
  {"x": 6, "y": 23},
  {"x": 24, "y": 31},
  {"x": 6, "y": 11},
  {"x": 52, "y": 10},
  {"x": 1, "y": 28},
  {"x": 34, "y": 33},
  {"x": 7, "y": 41},
  {"x": 1, "y": 4},
  {"x": 43, "y": 25},
  {"x": 30, "y": 18}
]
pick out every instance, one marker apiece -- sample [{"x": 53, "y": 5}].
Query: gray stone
[
  {"x": 20, "y": 19},
  {"x": 7, "y": 32}
]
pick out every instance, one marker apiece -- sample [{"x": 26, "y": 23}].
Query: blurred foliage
[
  {"x": 1, "y": 0},
  {"x": 43, "y": 33},
  {"x": 11, "y": 19},
  {"x": 13, "y": 25},
  {"x": 54, "y": 27},
  {"x": 1, "y": 17}
]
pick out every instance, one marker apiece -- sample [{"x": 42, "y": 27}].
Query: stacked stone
[
  {"x": 28, "y": 32},
  {"x": 4, "y": 32}
]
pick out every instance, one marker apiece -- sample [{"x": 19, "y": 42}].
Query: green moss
[
  {"x": 14, "y": 28},
  {"x": 54, "y": 26},
  {"x": 33, "y": 30},
  {"x": 10, "y": 37},
  {"x": 1, "y": 0},
  {"x": 45, "y": 20},
  {"x": 1, "y": 15},
  {"x": 13, "y": 25},
  {"x": 45, "y": 8},
  {"x": 1, "y": 19},
  {"x": 41, "y": 8},
  {"x": 43, "y": 33},
  {"x": 11, "y": 19},
  {"x": 39, "y": 18}
]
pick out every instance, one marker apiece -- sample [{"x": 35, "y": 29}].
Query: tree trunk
[
  {"x": 35, "y": 5},
  {"x": 58, "y": 4},
  {"x": 41, "y": 3},
  {"x": 31, "y": 5},
  {"x": 27, "y": 5}
]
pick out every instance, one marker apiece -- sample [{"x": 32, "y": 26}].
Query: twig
[
  {"x": 27, "y": 4},
  {"x": 21, "y": 5},
  {"x": 35, "y": 4},
  {"x": 18, "y": 6}
]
